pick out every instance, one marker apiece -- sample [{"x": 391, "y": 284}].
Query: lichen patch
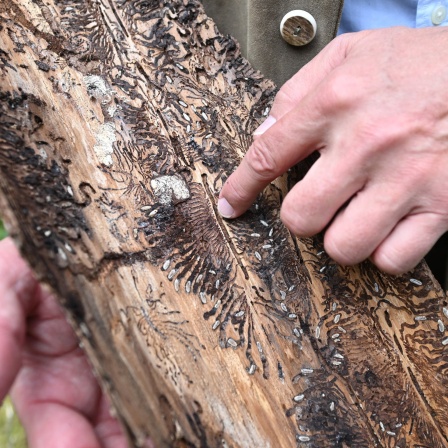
[
  {"x": 169, "y": 189},
  {"x": 97, "y": 88},
  {"x": 105, "y": 139}
]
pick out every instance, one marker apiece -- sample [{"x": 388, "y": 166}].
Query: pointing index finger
[
  {"x": 253, "y": 174},
  {"x": 296, "y": 130},
  {"x": 277, "y": 146}
]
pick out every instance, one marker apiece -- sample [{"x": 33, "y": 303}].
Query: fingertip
[
  {"x": 334, "y": 252},
  {"x": 235, "y": 198},
  {"x": 225, "y": 209},
  {"x": 408, "y": 243},
  {"x": 393, "y": 264},
  {"x": 345, "y": 245},
  {"x": 270, "y": 121}
]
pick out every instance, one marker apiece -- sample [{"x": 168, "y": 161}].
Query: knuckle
[
  {"x": 341, "y": 41},
  {"x": 338, "y": 92},
  {"x": 261, "y": 161},
  {"x": 372, "y": 142}
]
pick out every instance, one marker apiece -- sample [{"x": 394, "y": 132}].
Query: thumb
[{"x": 293, "y": 132}]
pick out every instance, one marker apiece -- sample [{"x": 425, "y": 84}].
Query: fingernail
[
  {"x": 225, "y": 209},
  {"x": 265, "y": 125}
]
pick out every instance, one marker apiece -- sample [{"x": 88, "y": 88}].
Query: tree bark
[{"x": 119, "y": 122}]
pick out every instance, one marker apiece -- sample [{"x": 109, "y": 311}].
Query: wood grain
[{"x": 119, "y": 122}]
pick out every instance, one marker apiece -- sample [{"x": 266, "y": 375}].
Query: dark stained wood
[{"x": 119, "y": 122}]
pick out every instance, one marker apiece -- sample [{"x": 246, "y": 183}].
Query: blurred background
[
  {"x": 2, "y": 230},
  {"x": 12, "y": 434}
]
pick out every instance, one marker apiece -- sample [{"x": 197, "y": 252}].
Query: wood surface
[{"x": 119, "y": 122}]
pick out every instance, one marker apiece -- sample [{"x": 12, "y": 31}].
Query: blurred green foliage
[
  {"x": 12, "y": 434},
  {"x": 3, "y": 232}
]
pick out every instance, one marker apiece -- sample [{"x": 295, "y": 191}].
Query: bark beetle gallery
[{"x": 119, "y": 122}]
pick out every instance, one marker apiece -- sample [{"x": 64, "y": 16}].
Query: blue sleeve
[{"x": 360, "y": 15}]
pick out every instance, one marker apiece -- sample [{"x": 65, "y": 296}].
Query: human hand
[
  {"x": 55, "y": 393},
  {"x": 375, "y": 105}
]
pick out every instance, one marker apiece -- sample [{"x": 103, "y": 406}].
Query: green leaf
[
  {"x": 3, "y": 231},
  {"x": 12, "y": 434}
]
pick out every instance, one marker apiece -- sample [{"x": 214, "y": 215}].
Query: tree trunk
[{"x": 119, "y": 122}]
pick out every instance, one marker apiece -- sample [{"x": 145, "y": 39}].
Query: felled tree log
[{"x": 119, "y": 122}]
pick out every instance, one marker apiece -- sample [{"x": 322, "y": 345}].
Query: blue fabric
[{"x": 360, "y": 15}]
